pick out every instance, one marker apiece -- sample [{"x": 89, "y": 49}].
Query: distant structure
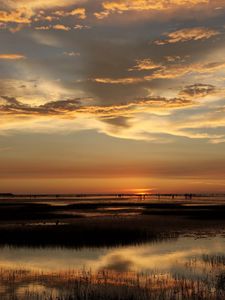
[{"x": 188, "y": 196}]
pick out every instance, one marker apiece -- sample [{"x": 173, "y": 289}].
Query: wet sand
[{"x": 105, "y": 222}]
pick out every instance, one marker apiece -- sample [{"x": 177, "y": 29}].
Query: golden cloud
[
  {"x": 140, "y": 5},
  {"x": 166, "y": 72},
  {"x": 145, "y": 64},
  {"x": 80, "y": 12},
  {"x": 73, "y": 107},
  {"x": 40, "y": 4},
  {"x": 120, "y": 6},
  {"x": 21, "y": 16},
  {"x": 126, "y": 80},
  {"x": 61, "y": 27},
  {"x": 145, "y": 118},
  {"x": 43, "y": 27},
  {"x": 12, "y": 56},
  {"x": 28, "y": 11},
  {"x": 188, "y": 34}
]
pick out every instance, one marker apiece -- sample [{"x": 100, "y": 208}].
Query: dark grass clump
[{"x": 80, "y": 235}]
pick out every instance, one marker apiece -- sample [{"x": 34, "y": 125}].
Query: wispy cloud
[
  {"x": 11, "y": 56},
  {"x": 151, "y": 118},
  {"x": 133, "y": 5},
  {"x": 198, "y": 90},
  {"x": 21, "y": 16},
  {"x": 121, "y": 6},
  {"x": 80, "y": 12},
  {"x": 11, "y": 105},
  {"x": 71, "y": 53},
  {"x": 145, "y": 64},
  {"x": 162, "y": 71},
  {"x": 188, "y": 34},
  {"x": 61, "y": 27}
]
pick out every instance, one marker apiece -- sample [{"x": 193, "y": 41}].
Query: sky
[{"x": 112, "y": 96}]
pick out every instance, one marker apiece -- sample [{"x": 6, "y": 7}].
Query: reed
[{"x": 105, "y": 284}]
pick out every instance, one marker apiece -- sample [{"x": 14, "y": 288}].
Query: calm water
[{"x": 167, "y": 256}]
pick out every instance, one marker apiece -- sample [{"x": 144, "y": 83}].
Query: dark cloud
[
  {"x": 15, "y": 107},
  {"x": 198, "y": 90},
  {"x": 114, "y": 112},
  {"x": 118, "y": 122},
  {"x": 67, "y": 105}
]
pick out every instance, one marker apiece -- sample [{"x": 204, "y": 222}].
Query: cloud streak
[
  {"x": 10, "y": 105},
  {"x": 145, "y": 5},
  {"x": 11, "y": 56},
  {"x": 188, "y": 34},
  {"x": 151, "y": 119},
  {"x": 170, "y": 71}
]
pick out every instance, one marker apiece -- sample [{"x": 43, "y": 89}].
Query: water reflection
[{"x": 170, "y": 255}]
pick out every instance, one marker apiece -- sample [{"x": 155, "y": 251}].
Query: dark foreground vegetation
[{"x": 104, "y": 284}]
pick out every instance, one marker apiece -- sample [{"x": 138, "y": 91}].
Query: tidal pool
[{"x": 167, "y": 256}]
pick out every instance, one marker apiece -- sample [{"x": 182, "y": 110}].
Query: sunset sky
[{"x": 112, "y": 96}]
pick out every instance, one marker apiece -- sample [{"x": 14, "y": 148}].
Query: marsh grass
[
  {"x": 214, "y": 260},
  {"x": 105, "y": 284}
]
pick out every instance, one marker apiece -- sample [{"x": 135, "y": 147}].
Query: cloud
[
  {"x": 61, "y": 27},
  {"x": 11, "y": 56},
  {"x": 80, "y": 12},
  {"x": 142, "y": 5},
  {"x": 35, "y": 91},
  {"x": 188, "y": 34},
  {"x": 198, "y": 90},
  {"x": 137, "y": 88},
  {"x": 79, "y": 27},
  {"x": 2, "y": 25},
  {"x": 111, "y": 120},
  {"x": 126, "y": 80},
  {"x": 21, "y": 16},
  {"x": 165, "y": 72},
  {"x": 43, "y": 27},
  {"x": 11, "y": 105},
  {"x": 121, "y": 6},
  {"x": 32, "y": 11},
  {"x": 9, "y": 102},
  {"x": 210, "y": 67},
  {"x": 40, "y": 4},
  {"x": 71, "y": 53},
  {"x": 179, "y": 70},
  {"x": 101, "y": 15},
  {"x": 176, "y": 58},
  {"x": 145, "y": 64},
  {"x": 151, "y": 118}
]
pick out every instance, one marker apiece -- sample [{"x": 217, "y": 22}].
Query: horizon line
[{"x": 109, "y": 194}]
